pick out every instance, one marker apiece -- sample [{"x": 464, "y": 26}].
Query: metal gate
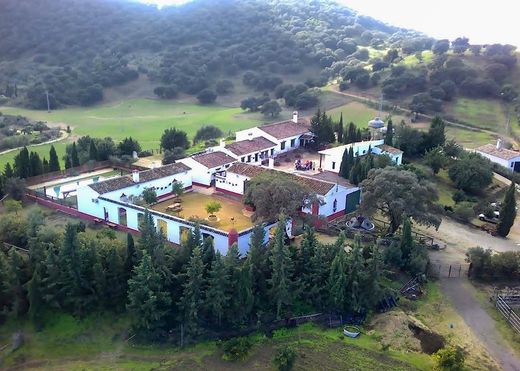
[{"x": 448, "y": 270}]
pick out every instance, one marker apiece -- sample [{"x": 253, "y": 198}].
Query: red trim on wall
[
  {"x": 315, "y": 208},
  {"x": 225, "y": 191},
  {"x": 336, "y": 215},
  {"x": 201, "y": 185}
]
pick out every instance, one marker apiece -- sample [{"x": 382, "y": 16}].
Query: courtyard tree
[
  {"x": 507, "y": 211},
  {"x": 471, "y": 172},
  {"x": 173, "y": 138},
  {"x": 272, "y": 192},
  {"x": 149, "y": 195},
  {"x": 212, "y": 208},
  {"x": 396, "y": 193}
]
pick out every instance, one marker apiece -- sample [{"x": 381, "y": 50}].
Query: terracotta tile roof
[
  {"x": 318, "y": 186},
  {"x": 286, "y": 129},
  {"x": 246, "y": 169},
  {"x": 244, "y": 147},
  {"x": 503, "y": 153},
  {"x": 329, "y": 176},
  {"x": 389, "y": 149},
  {"x": 144, "y": 176},
  {"x": 213, "y": 159}
]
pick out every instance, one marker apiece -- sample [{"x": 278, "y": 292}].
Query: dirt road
[{"x": 463, "y": 297}]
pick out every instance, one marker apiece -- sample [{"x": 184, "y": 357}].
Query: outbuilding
[{"x": 507, "y": 158}]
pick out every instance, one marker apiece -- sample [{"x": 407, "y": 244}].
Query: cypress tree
[
  {"x": 36, "y": 164},
  {"x": 131, "y": 258},
  {"x": 355, "y": 171},
  {"x": 148, "y": 302},
  {"x": 244, "y": 293},
  {"x": 93, "y": 152},
  {"x": 359, "y": 136},
  {"x": 340, "y": 128},
  {"x": 54, "y": 163},
  {"x": 507, "y": 212},
  {"x": 208, "y": 254},
  {"x": 406, "y": 239},
  {"x": 45, "y": 165},
  {"x": 2, "y": 186},
  {"x": 257, "y": 259},
  {"x": 356, "y": 276},
  {"x": 344, "y": 168},
  {"x": 17, "y": 279},
  {"x": 68, "y": 162},
  {"x": 389, "y": 137},
  {"x": 22, "y": 164},
  {"x": 281, "y": 271},
  {"x": 351, "y": 133},
  {"x": 4, "y": 285},
  {"x": 192, "y": 299},
  {"x": 74, "y": 158},
  {"x": 8, "y": 171},
  {"x": 217, "y": 292},
  {"x": 51, "y": 280}
]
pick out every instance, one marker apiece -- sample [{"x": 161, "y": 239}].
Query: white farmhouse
[
  {"x": 330, "y": 159},
  {"x": 206, "y": 165},
  {"x": 505, "y": 157},
  {"x": 287, "y": 135}
]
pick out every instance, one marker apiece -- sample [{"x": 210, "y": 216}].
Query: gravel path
[{"x": 463, "y": 297}]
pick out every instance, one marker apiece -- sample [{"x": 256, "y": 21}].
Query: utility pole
[{"x": 48, "y": 103}]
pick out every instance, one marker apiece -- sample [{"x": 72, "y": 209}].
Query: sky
[{"x": 483, "y": 21}]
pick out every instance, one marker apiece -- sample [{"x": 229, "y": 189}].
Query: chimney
[
  {"x": 135, "y": 176},
  {"x": 222, "y": 143},
  {"x": 295, "y": 117},
  {"x": 271, "y": 163},
  {"x": 499, "y": 143}
]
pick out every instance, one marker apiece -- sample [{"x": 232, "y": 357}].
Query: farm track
[
  {"x": 63, "y": 135},
  {"x": 362, "y": 98}
]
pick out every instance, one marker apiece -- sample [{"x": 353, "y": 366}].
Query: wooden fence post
[{"x": 449, "y": 272}]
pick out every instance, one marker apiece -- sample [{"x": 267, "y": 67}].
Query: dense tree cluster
[
  {"x": 182, "y": 49},
  {"x": 186, "y": 291},
  {"x": 414, "y": 142},
  {"x": 487, "y": 264}
]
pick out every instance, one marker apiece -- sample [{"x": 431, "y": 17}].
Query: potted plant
[{"x": 212, "y": 208}]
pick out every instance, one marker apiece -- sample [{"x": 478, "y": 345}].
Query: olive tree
[{"x": 397, "y": 193}]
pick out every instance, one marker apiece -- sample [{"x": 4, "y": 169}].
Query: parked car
[{"x": 486, "y": 218}]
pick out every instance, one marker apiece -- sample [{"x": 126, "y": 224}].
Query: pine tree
[
  {"x": 356, "y": 277},
  {"x": 217, "y": 293},
  {"x": 8, "y": 171},
  {"x": 507, "y": 211},
  {"x": 68, "y": 162},
  {"x": 54, "y": 163},
  {"x": 244, "y": 293},
  {"x": 22, "y": 164},
  {"x": 192, "y": 299},
  {"x": 340, "y": 128},
  {"x": 306, "y": 251},
  {"x": 407, "y": 243},
  {"x": 4, "y": 285},
  {"x": 51, "y": 280},
  {"x": 359, "y": 136},
  {"x": 148, "y": 301},
  {"x": 17, "y": 277},
  {"x": 74, "y": 158},
  {"x": 337, "y": 282},
  {"x": 281, "y": 270},
  {"x": 2, "y": 186},
  {"x": 93, "y": 152},
  {"x": 389, "y": 137},
  {"x": 115, "y": 279}
]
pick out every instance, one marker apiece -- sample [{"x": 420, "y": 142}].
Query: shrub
[
  {"x": 458, "y": 196},
  {"x": 463, "y": 212},
  {"x": 237, "y": 348},
  {"x": 285, "y": 358},
  {"x": 207, "y": 132},
  {"x": 450, "y": 358},
  {"x": 145, "y": 154}
]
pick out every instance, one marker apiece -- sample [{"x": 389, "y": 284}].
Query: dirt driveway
[{"x": 463, "y": 298}]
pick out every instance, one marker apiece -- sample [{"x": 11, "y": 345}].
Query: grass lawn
[
  {"x": 482, "y": 113},
  {"x": 194, "y": 205},
  {"x": 469, "y": 138},
  {"x": 360, "y": 114},
  {"x": 97, "y": 342}
]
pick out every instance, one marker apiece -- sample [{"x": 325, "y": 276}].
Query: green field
[
  {"x": 481, "y": 113},
  {"x": 144, "y": 119}
]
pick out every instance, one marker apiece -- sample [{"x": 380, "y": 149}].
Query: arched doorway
[
  {"x": 122, "y": 216},
  {"x": 162, "y": 227}
]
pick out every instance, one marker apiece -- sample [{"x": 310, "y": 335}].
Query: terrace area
[{"x": 193, "y": 206}]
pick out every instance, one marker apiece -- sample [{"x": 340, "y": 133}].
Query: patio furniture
[{"x": 176, "y": 207}]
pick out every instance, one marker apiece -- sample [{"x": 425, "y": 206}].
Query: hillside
[{"x": 105, "y": 43}]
